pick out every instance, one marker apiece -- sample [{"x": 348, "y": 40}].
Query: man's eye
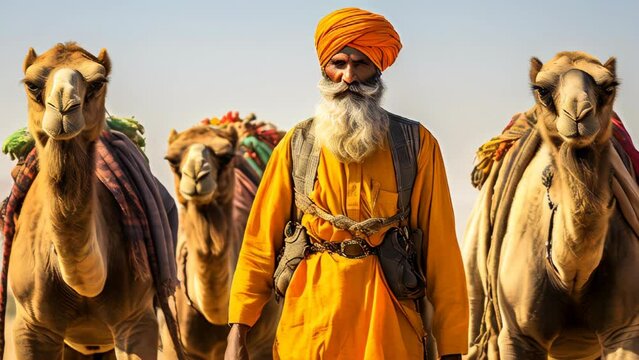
[{"x": 339, "y": 63}]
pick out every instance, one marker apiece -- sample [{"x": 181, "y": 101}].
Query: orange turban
[{"x": 362, "y": 30}]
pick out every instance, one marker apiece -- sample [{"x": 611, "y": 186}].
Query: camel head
[
  {"x": 201, "y": 161},
  {"x": 66, "y": 88},
  {"x": 574, "y": 94}
]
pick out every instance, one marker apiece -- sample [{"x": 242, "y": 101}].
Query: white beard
[{"x": 349, "y": 121}]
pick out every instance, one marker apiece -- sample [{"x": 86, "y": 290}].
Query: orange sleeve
[
  {"x": 253, "y": 280},
  {"x": 432, "y": 211}
]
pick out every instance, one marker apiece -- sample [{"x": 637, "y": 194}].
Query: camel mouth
[
  {"x": 581, "y": 132},
  {"x": 198, "y": 198},
  {"x": 62, "y": 128},
  {"x": 65, "y": 136},
  {"x": 201, "y": 190},
  {"x": 195, "y": 193}
]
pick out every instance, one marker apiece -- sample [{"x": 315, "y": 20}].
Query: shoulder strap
[
  {"x": 305, "y": 156},
  {"x": 404, "y": 144}
]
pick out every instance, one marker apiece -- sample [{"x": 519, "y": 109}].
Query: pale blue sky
[{"x": 462, "y": 71}]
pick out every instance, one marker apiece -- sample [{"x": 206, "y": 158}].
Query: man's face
[{"x": 350, "y": 66}]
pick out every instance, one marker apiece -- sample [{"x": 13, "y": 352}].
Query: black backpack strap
[{"x": 404, "y": 144}]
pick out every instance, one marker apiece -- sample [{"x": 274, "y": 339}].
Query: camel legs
[
  {"x": 34, "y": 342},
  {"x": 516, "y": 346},
  {"x": 137, "y": 338}
]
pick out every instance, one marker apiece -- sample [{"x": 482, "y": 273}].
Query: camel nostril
[
  {"x": 187, "y": 172},
  {"x": 202, "y": 174},
  {"x": 51, "y": 105},
  {"x": 569, "y": 114},
  {"x": 71, "y": 108},
  {"x": 584, "y": 113}
]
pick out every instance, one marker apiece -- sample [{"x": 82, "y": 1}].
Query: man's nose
[{"x": 348, "y": 76}]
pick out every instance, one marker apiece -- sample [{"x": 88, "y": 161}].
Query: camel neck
[
  {"x": 207, "y": 228},
  {"x": 583, "y": 198},
  {"x": 208, "y": 233},
  {"x": 68, "y": 168}
]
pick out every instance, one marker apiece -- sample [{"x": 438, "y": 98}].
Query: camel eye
[
  {"x": 541, "y": 91},
  {"x": 94, "y": 87},
  {"x": 543, "y": 94},
  {"x": 610, "y": 87},
  {"x": 173, "y": 163},
  {"x": 34, "y": 89}
]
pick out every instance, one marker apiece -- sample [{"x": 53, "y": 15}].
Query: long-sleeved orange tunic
[{"x": 340, "y": 308}]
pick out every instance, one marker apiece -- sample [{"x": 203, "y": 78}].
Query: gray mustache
[{"x": 370, "y": 89}]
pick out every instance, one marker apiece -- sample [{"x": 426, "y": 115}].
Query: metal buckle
[{"x": 353, "y": 249}]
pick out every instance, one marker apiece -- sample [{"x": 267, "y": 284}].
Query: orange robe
[{"x": 339, "y": 308}]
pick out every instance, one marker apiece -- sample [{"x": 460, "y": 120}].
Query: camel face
[
  {"x": 199, "y": 158},
  {"x": 577, "y": 92},
  {"x": 66, "y": 90},
  {"x": 197, "y": 168}
]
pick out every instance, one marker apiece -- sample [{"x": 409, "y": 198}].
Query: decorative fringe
[{"x": 496, "y": 148}]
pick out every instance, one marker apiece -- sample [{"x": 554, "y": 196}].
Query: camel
[
  {"x": 72, "y": 276},
  {"x": 560, "y": 280},
  {"x": 215, "y": 187}
]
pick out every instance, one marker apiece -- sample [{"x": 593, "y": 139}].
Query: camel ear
[
  {"x": 223, "y": 148},
  {"x": 104, "y": 59},
  {"x": 232, "y": 135},
  {"x": 535, "y": 67},
  {"x": 172, "y": 136},
  {"x": 29, "y": 59},
  {"x": 611, "y": 65}
]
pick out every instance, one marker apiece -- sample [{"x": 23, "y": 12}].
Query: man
[{"x": 338, "y": 307}]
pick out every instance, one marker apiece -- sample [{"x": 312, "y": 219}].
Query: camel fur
[
  {"x": 215, "y": 188},
  {"x": 71, "y": 272},
  {"x": 552, "y": 247}
]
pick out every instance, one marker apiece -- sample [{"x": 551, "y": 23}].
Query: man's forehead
[{"x": 352, "y": 53}]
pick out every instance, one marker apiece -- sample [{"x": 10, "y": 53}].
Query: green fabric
[
  {"x": 129, "y": 127},
  {"x": 262, "y": 150},
  {"x": 254, "y": 165},
  {"x": 18, "y": 144}
]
